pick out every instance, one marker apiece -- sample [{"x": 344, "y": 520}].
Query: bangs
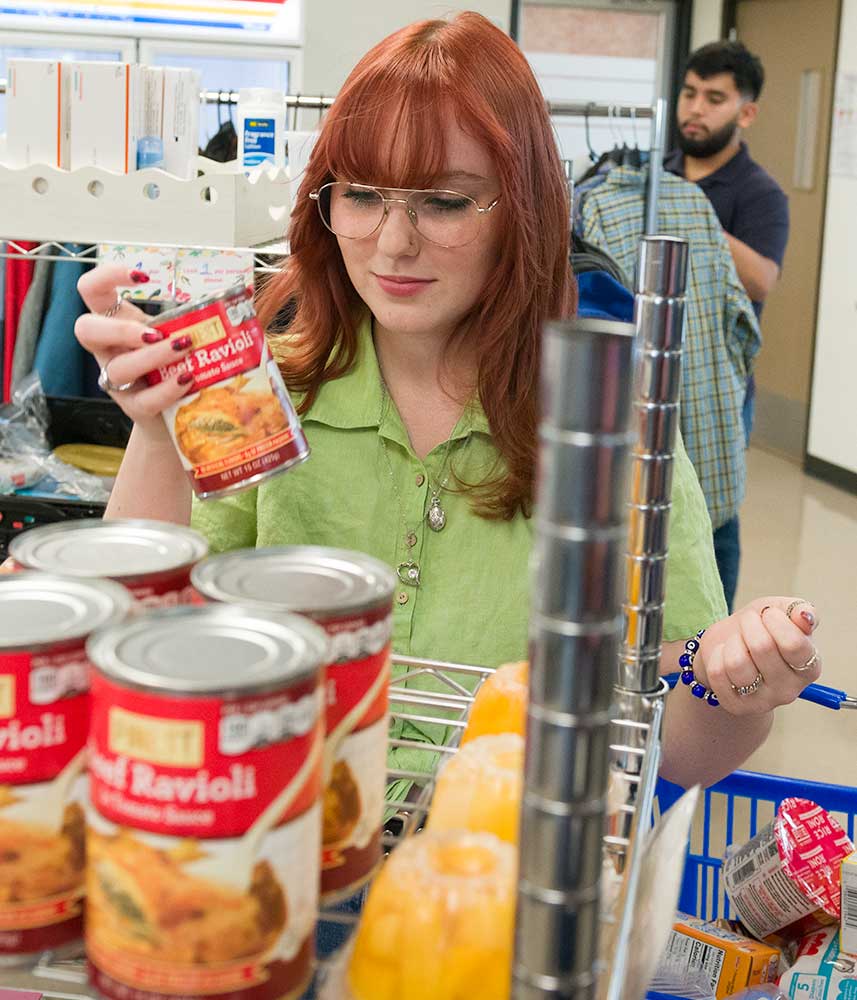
[{"x": 399, "y": 141}]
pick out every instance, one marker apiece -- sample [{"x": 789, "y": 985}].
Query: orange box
[{"x": 730, "y": 961}]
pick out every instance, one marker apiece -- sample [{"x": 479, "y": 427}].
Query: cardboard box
[
  {"x": 105, "y": 116},
  {"x": 821, "y": 971},
  {"x": 150, "y": 142},
  {"x": 848, "y": 927},
  {"x": 37, "y": 111},
  {"x": 730, "y": 962},
  {"x": 181, "y": 121}
]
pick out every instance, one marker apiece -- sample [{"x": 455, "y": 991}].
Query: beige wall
[
  {"x": 790, "y": 36},
  {"x": 338, "y": 32},
  {"x": 706, "y": 22}
]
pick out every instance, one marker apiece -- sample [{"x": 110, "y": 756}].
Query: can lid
[
  {"x": 38, "y": 610},
  {"x": 210, "y": 650},
  {"x": 306, "y": 579},
  {"x": 117, "y": 549},
  {"x": 238, "y": 288}
]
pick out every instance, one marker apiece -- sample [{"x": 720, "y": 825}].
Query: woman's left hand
[{"x": 760, "y": 657}]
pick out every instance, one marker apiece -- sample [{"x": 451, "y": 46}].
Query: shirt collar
[
  {"x": 357, "y": 398},
  {"x": 727, "y": 174}
]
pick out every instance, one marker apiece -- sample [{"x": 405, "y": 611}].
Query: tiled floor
[{"x": 799, "y": 537}]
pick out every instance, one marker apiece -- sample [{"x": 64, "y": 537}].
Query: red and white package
[{"x": 786, "y": 880}]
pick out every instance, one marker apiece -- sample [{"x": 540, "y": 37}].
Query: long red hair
[{"x": 406, "y": 86}]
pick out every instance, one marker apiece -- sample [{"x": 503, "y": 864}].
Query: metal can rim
[
  {"x": 212, "y": 591},
  {"x": 197, "y": 541},
  {"x": 238, "y": 288},
  {"x": 102, "y": 652},
  {"x": 122, "y": 602}
]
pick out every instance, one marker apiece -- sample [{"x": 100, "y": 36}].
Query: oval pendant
[{"x": 436, "y": 515}]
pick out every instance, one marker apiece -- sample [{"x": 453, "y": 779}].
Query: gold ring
[
  {"x": 793, "y": 605},
  {"x": 810, "y": 663},
  {"x": 747, "y": 689},
  {"x": 767, "y": 607}
]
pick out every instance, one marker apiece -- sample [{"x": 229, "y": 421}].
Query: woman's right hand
[{"x": 131, "y": 348}]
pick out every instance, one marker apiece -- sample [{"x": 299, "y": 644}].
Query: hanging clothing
[
  {"x": 722, "y": 334},
  {"x": 19, "y": 274},
  {"x": 60, "y": 360},
  {"x": 30, "y": 321}
]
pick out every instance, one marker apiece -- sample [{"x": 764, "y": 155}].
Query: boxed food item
[
  {"x": 730, "y": 961},
  {"x": 786, "y": 880},
  {"x": 180, "y": 130},
  {"x": 821, "y": 971},
  {"x": 104, "y": 116},
  {"x": 37, "y": 108},
  {"x": 848, "y": 930}
]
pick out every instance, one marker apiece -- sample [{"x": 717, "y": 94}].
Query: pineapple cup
[
  {"x": 500, "y": 705},
  {"x": 480, "y": 788},
  {"x": 439, "y": 921}
]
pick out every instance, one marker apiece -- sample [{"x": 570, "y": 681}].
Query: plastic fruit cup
[
  {"x": 480, "y": 788},
  {"x": 501, "y": 703},
  {"x": 439, "y": 921}
]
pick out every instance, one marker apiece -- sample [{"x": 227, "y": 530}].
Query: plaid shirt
[{"x": 721, "y": 334}]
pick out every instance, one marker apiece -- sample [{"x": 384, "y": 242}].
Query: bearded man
[{"x": 717, "y": 104}]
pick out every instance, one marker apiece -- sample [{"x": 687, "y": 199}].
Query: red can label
[
  {"x": 164, "y": 590},
  {"x": 203, "y": 840},
  {"x": 44, "y": 717},
  {"x": 358, "y": 683},
  {"x": 238, "y": 423}
]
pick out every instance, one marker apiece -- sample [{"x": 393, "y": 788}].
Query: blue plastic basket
[{"x": 734, "y": 810}]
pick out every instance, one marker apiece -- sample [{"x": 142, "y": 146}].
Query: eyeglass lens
[{"x": 355, "y": 212}]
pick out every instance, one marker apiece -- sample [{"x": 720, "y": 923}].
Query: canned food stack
[
  {"x": 659, "y": 317},
  {"x": 575, "y": 631}
]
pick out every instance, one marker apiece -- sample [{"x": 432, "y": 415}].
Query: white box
[
  {"x": 37, "y": 109},
  {"x": 104, "y": 116},
  {"x": 150, "y": 142},
  {"x": 848, "y": 927},
  {"x": 181, "y": 121}
]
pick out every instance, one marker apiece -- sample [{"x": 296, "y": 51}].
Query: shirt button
[
  {"x": 402, "y": 597},
  {"x": 411, "y": 539},
  {"x": 420, "y": 479}
]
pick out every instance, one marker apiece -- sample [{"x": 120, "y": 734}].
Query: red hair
[{"x": 405, "y": 87}]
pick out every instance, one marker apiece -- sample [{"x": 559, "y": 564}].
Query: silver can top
[
  {"x": 210, "y": 650},
  {"x": 39, "y": 610},
  {"x": 117, "y": 549},
  {"x": 306, "y": 579},
  {"x": 233, "y": 291}
]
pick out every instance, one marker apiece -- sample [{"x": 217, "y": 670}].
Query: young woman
[{"x": 429, "y": 243}]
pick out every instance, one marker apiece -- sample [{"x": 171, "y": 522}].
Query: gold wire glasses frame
[{"x": 445, "y": 218}]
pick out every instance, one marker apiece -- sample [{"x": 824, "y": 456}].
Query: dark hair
[{"x": 730, "y": 57}]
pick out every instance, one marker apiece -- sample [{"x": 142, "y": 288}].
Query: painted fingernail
[
  {"x": 140, "y": 277},
  {"x": 151, "y": 336},
  {"x": 809, "y": 618},
  {"x": 185, "y": 378},
  {"x": 182, "y": 343}
]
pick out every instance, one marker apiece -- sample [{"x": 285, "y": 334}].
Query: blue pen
[{"x": 818, "y": 694}]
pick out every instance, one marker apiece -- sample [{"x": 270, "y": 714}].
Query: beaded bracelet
[{"x": 685, "y": 661}]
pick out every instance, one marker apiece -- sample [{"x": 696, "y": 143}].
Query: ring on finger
[
  {"x": 810, "y": 663},
  {"x": 793, "y": 605},
  {"x": 105, "y": 383},
  {"x": 111, "y": 311},
  {"x": 744, "y": 690}
]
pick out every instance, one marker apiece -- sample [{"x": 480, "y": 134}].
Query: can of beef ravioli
[
  {"x": 44, "y": 719},
  {"x": 152, "y": 559},
  {"x": 237, "y": 426},
  {"x": 351, "y": 596},
  {"x": 205, "y": 777}
]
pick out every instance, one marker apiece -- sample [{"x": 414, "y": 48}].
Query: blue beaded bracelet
[{"x": 685, "y": 661}]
